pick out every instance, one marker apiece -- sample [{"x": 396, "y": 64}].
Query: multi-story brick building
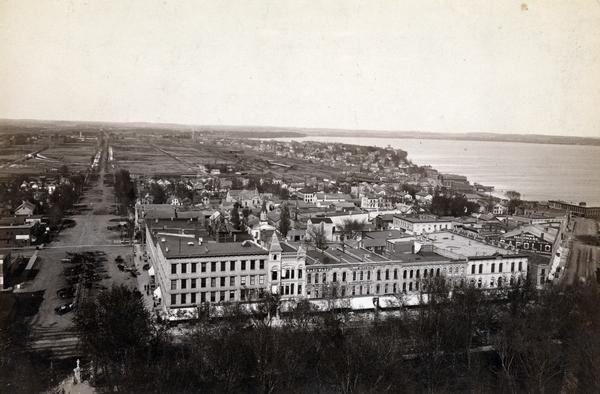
[
  {"x": 407, "y": 264},
  {"x": 190, "y": 272}
]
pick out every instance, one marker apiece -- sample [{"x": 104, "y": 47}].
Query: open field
[
  {"x": 171, "y": 156},
  {"x": 45, "y": 157},
  {"x": 140, "y": 157}
]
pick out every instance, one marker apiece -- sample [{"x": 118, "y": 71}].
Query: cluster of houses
[{"x": 199, "y": 257}]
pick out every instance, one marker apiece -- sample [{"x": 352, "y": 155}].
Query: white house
[
  {"x": 499, "y": 209},
  {"x": 420, "y": 225},
  {"x": 25, "y": 209},
  {"x": 323, "y": 225}
]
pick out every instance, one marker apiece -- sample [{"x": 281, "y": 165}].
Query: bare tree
[{"x": 317, "y": 237}]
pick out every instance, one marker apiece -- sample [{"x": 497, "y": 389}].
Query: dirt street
[
  {"x": 583, "y": 259},
  {"x": 89, "y": 234}
]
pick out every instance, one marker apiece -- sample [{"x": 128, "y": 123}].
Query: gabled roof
[
  {"x": 537, "y": 231},
  {"x": 26, "y": 204}
]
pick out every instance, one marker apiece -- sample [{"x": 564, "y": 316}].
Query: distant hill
[
  {"x": 25, "y": 125},
  {"x": 524, "y": 138}
]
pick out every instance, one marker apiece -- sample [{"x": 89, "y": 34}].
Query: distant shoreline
[
  {"x": 554, "y": 140},
  {"x": 241, "y": 131}
]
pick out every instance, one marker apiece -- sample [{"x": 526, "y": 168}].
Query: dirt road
[
  {"x": 583, "y": 259},
  {"x": 53, "y": 332}
]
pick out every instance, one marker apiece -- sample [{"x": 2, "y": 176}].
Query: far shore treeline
[{"x": 29, "y": 125}]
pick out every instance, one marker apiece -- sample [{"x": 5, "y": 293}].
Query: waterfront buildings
[{"x": 580, "y": 209}]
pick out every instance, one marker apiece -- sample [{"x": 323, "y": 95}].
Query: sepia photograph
[{"x": 299, "y": 196}]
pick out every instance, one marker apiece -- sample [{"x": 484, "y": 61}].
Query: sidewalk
[{"x": 143, "y": 278}]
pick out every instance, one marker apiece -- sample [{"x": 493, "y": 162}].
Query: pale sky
[{"x": 442, "y": 66}]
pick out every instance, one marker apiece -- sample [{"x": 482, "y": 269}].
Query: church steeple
[{"x": 275, "y": 246}]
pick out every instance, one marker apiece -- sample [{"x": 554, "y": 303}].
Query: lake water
[{"x": 537, "y": 171}]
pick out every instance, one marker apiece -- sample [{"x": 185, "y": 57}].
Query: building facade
[
  {"x": 190, "y": 273},
  {"x": 417, "y": 225}
]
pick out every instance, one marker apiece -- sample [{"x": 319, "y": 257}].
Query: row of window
[
  {"x": 380, "y": 275},
  {"x": 195, "y": 298},
  {"x": 213, "y": 282},
  {"x": 501, "y": 282},
  {"x": 354, "y": 290},
  {"x": 287, "y": 274},
  {"x": 289, "y": 289},
  {"x": 214, "y": 265},
  {"x": 493, "y": 268},
  {"x": 393, "y": 288}
]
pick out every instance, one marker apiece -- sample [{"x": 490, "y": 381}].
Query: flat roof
[
  {"x": 421, "y": 257},
  {"x": 184, "y": 246},
  {"x": 385, "y": 234},
  {"x": 351, "y": 255},
  {"x": 421, "y": 220},
  {"x": 465, "y": 246},
  {"x": 159, "y": 224}
]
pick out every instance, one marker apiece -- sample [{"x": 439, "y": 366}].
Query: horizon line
[{"x": 300, "y": 128}]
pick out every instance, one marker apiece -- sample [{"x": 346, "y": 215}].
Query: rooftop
[
  {"x": 548, "y": 233},
  {"x": 463, "y": 246},
  {"x": 176, "y": 246},
  {"x": 417, "y": 219},
  {"x": 287, "y": 248},
  {"x": 387, "y": 234}
]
